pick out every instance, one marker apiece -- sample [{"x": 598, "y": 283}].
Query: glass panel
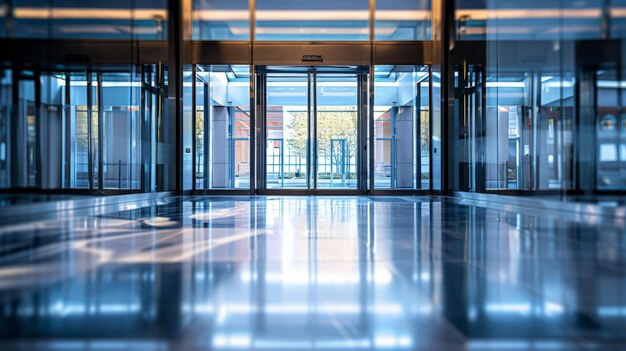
[
  {"x": 403, "y": 20},
  {"x": 221, "y": 20},
  {"x": 166, "y": 141},
  {"x": 27, "y": 122},
  {"x": 60, "y": 142},
  {"x": 312, "y": 20},
  {"x": 240, "y": 140},
  {"x": 610, "y": 132},
  {"x": 80, "y": 130},
  {"x": 402, "y": 127},
  {"x": 529, "y": 20},
  {"x": 121, "y": 146},
  {"x": 202, "y": 109},
  {"x": 505, "y": 97},
  {"x": 287, "y": 131},
  {"x": 524, "y": 140},
  {"x": 4, "y": 10},
  {"x": 222, "y": 131},
  {"x": 152, "y": 114},
  {"x": 113, "y": 19},
  {"x": 5, "y": 116},
  {"x": 52, "y": 130},
  {"x": 618, "y": 18},
  {"x": 557, "y": 93},
  {"x": 337, "y": 128}
]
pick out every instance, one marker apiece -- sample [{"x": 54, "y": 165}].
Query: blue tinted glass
[
  {"x": 113, "y": 19},
  {"x": 403, "y": 20},
  {"x": 312, "y": 20},
  {"x": 529, "y": 20},
  {"x": 221, "y": 20}
]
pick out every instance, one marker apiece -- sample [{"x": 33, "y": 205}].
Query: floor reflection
[{"x": 327, "y": 273}]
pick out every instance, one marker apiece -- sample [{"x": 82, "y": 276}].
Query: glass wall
[
  {"x": 97, "y": 129},
  {"x": 403, "y": 20},
  {"x": 221, "y": 116},
  {"x": 611, "y": 131},
  {"x": 82, "y": 132},
  {"x": 114, "y": 19},
  {"x": 618, "y": 18},
  {"x": 5, "y": 118},
  {"x": 120, "y": 130},
  {"x": 402, "y": 127},
  {"x": 312, "y": 119},
  {"x": 312, "y": 20},
  {"x": 221, "y": 20},
  {"x": 49, "y": 131},
  {"x": 4, "y": 11},
  {"x": 336, "y": 130},
  {"x": 288, "y": 149},
  {"x": 542, "y": 113}
]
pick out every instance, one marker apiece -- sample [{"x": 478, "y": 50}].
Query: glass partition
[
  {"x": 288, "y": 131},
  {"x": 312, "y": 20},
  {"x": 4, "y": 11},
  {"x": 50, "y": 130},
  {"x": 113, "y": 19},
  {"x": 103, "y": 130},
  {"x": 82, "y": 135},
  {"x": 402, "y": 127},
  {"x": 403, "y": 20},
  {"x": 222, "y": 127},
  {"x": 28, "y": 115},
  {"x": 529, "y": 20},
  {"x": 120, "y": 130},
  {"x": 336, "y": 124},
  {"x": 610, "y": 131},
  {"x": 516, "y": 126},
  {"x": 618, "y": 18},
  {"x": 6, "y": 99},
  {"x": 312, "y": 119},
  {"x": 221, "y": 20}
]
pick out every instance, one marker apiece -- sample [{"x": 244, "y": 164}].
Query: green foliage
[
  {"x": 331, "y": 124},
  {"x": 82, "y": 127}
]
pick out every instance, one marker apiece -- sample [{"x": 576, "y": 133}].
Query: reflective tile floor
[{"x": 314, "y": 273}]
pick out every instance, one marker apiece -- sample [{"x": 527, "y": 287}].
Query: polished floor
[{"x": 313, "y": 273}]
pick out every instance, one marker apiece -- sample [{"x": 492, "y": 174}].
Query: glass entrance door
[{"x": 312, "y": 121}]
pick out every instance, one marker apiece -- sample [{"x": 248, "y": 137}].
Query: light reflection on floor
[{"x": 314, "y": 273}]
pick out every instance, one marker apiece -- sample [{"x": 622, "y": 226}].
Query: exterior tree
[
  {"x": 199, "y": 130},
  {"x": 331, "y": 124}
]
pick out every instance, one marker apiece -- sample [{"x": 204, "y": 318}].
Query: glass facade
[
  {"x": 403, "y": 20},
  {"x": 402, "y": 131},
  {"x": 530, "y": 20},
  {"x": 529, "y": 99},
  {"x": 220, "y": 114},
  {"x": 121, "y": 130},
  {"x": 312, "y": 121},
  {"x": 541, "y": 113},
  {"x": 312, "y": 20},
  {"x": 84, "y": 129},
  {"x": 5, "y": 117},
  {"x": 63, "y": 19},
  {"x": 221, "y": 20}
]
